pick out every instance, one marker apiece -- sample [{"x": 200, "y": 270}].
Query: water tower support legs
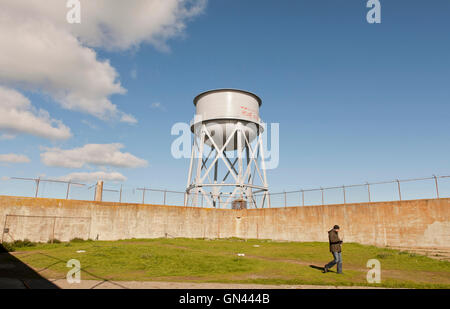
[
  {"x": 205, "y": 183},
  {"x": 200, "y": 162},
  {"x": 263, "y": 165},
  {"x": 186, "y": 195}
]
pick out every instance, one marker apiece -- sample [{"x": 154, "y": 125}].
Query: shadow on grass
[
  {"x": 100, "y": 280},
  {"x": 14, "y": 274},
  {"x": 321, "y": 268}
]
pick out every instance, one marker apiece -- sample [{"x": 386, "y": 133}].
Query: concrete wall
[{"x": 418, "y": 223}]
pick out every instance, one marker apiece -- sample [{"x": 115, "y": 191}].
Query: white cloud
[
  {"x": 14, "y": 158},
  {"x": 128, "y": 119},
  {"x": 17, "y": 115},
  {"x": 92, "y": 154},
  {"x": 41, "y": 51},
  {"x": 93, "y": 177},
  {"x": 158, "y": 105},
  {"x": 89, "y": 124},
  {"x": 118, "y": 24},
  {"x": 37, "y": 55}
]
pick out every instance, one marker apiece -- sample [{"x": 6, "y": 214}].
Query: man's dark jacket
[{"x": 335, "y": 242}]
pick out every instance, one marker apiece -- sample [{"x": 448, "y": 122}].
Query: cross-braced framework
[{"x": 217, "y": 177}]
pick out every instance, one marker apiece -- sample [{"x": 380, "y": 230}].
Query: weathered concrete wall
[{"x": 418, "y": 223}]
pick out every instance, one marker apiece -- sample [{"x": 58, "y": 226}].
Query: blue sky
[{"x": 355, "y": 101}]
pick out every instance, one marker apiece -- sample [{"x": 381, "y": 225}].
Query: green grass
[{"x": 265, "y": 262}]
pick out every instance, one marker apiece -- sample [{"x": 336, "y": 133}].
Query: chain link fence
[{"x": 399, "y": 189}]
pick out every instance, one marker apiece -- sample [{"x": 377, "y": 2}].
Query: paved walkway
[{"x": 94, "y": 284}]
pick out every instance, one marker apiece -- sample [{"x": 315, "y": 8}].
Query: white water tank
[{"x": 221, "y": 110}]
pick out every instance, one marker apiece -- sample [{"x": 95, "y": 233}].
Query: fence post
[
  {"x": 399, "y": 191},
  {"x": 68, "y": 189},
  {"x": 285, "y": 200},
  {"x": 368, "y": 191},
  {"x": 53, "y": 229},
  {"x": 120, "y": 195},
  {"x": 165, "y": 191},
  {"x": 323, "y": 203},
  {"x": 303, "y": 198},
  {"x": 143, "y": 196},
  {"x": 37, "y": 186},
  {"x": 99, "y": 191},
  {"x": 437, "y": 186},
  {"x": 343, "y": 190}
]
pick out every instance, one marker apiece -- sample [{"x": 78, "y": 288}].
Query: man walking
[{"x": 335, "y": 249}]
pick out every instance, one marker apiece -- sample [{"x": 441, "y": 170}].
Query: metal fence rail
[
  {"x": 39, "y": 180},
  {"x": 366, "y": 185},
  {"x": 398, "y": 189}
]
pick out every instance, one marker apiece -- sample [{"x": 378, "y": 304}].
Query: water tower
[{"x": 227, "y": 161}]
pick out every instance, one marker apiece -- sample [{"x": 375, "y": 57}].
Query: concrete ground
[
  {"x": 434, "y": 253},
  {"x": 8, "y": 283}
]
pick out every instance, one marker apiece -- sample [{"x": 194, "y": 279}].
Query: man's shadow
[{"x": 320, "y": 268}]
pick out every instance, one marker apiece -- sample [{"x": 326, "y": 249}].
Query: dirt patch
[
  {"x": 424, "y": 276},
  {"x": 92, "y": 284}
]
